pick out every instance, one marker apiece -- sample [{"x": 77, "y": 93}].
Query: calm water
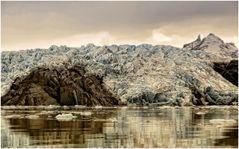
[{"x": 119, "y": 127}]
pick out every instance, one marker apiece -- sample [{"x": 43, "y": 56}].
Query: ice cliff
[{"x": 142, "y": 74}]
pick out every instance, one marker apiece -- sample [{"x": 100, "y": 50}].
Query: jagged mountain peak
[
  {"x": 199, "y": 37},
  {"x": 193, "y": 44},
  {"x": 214, "y": 45},
  {"x": 212, "y": 39}
]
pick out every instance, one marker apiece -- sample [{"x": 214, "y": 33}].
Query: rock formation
[
  {"x": 228, "y": 70},
  {"x": 142, "y": 75},
  {"x": 213, "y": 45},
  {"x": 194, "y": 44},
  {"x": 63, "y": 86}
]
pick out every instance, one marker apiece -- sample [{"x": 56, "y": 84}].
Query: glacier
[{"x": 139, "y": 74}]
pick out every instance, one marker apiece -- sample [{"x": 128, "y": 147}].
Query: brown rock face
[{"x": 60, "y": 86}]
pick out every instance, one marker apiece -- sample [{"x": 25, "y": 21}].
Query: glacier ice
[{"x": 134, "y": 72}]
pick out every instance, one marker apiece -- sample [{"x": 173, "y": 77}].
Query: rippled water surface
[{"x": 119, "y": 127}]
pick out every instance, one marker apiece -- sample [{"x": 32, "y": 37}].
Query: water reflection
[{"x": 120, "y": 127}]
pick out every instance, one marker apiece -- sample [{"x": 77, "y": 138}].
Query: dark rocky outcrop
[
  {"x": 151, "y": 99},
  {"x": 60, "y": 86},
  {"x": 193, "y": 44},
  {"x": 228, "y": 70},
  {"x": 212, "y": 97}
]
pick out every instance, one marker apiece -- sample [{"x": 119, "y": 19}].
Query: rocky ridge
[
  {"x": 143, "y": 74},
  {"x": 213, "y": 45},
  {"x": 60, "y": 86}
]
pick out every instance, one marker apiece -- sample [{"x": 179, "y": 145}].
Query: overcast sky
[{"x": 41, "y": 24}]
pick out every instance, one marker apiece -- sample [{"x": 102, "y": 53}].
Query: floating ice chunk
[
  {"x": 98, "y": 107},
  {"x": 14, "y": 116},
  {"x": 8, "y": 107},
  {"x": 32, "y": 116},
  {"x": 99, "y": 120},
  {"x": 66, "y": 107},
  {"x": 65, "y": 117},
  {"x": 145, "y": 107},
  {"x": 112, "y": 119},
  {"x": 201, "y": 113},
  {"x": 80, "y": 106},
  {"x": 86, "y": 113},
  {"x": 51, "y": 107},
  {"x": 124, "y": 107},
  {"x": 222, "y": 121},
  {"x": 47, "y": 112}
]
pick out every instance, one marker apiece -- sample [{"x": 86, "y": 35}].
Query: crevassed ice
[{"x": 128, "y": 70}]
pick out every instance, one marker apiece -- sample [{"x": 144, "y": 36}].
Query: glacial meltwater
[{"x": 212, "y": 126}]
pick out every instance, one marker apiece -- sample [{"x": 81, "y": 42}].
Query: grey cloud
[
  {"x": 27, "y": 21},
  {"x": 121, "y": 13}
]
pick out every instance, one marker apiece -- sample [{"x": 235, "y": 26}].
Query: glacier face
[{"x": 138, "y": 74}]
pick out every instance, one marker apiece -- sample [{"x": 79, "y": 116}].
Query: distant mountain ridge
[
  {"x": 143, "y": 74},
  {"x": 213, "y": 44}
]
